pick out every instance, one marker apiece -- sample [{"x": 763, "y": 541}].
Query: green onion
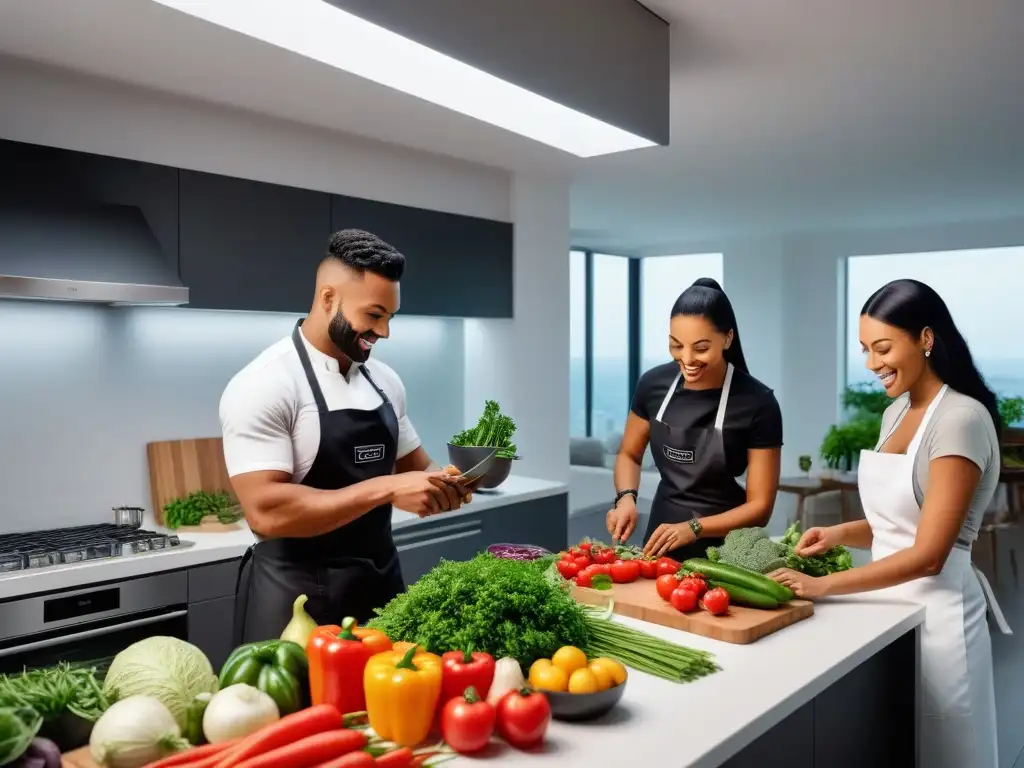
[{"x": 645, "y": 652}]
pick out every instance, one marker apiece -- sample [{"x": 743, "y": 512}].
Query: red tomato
[
  {"x": 667, "y": 565},
  {"x": 602, "y": 568},
  {"x": 716, "y": 601},
  {"x": 582, "y": 561},
  {"x": 584, "y": 578},
  {"x": 467, "y": 723},
  {"x": 695, "y": 584},
  {"x": 684, "y": 600},
  {"x": 666, "y": 584},
  {"x": 604, "y": 556},
  {"x": 567, "y": 568},
  {"x": 625, "y": 571},
  {"x": 649, "y": 569},
  {"x": 565, "y": 555},
  {"x": 523, "y": 718},
  {"x": 586, "y": 546}
]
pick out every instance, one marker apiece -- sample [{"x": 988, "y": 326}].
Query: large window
[
  {"x": 981, "y": 289},
  {"x": 662, "y": 279},
  {"x": 609, "y": 313},
  {"x": 577, "y": 343}
]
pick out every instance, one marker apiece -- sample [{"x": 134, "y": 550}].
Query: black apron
[
  {"x": 695, "y": 480},
  {"x": 354, "y": 568}
]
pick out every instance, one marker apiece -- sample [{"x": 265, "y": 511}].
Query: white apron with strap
[{"x": 958, "y": 710}]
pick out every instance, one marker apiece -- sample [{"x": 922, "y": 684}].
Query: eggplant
[{"x": 41, "y": 753}]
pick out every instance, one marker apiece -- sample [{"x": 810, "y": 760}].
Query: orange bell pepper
[
  {"x": 402, "y": 692},
  {"x": 337, "y": 657}
]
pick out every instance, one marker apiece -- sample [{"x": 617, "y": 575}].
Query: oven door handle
[{"x": 99, "y": 632}]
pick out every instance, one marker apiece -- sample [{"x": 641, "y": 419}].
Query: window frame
[{"x": 632, "y": 329}]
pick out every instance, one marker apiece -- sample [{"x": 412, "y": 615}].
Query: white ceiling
[{"x": 786, "y": 116}]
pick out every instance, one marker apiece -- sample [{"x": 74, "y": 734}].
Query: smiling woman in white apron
[
  {"x": 924, "y": 491},
  {"x": 707, "y": 421}
]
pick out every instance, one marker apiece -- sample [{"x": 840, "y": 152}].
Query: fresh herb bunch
[
  {"x": 494, "y": 430},
  {"x": 52, "y": 691},
  {"x": 834, "y": 560},
  {"x": 503, "y": 607},
  {"x": 200, "y": 504}
]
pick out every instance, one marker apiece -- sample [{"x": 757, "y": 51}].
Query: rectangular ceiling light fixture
[{"x": 325, "y": 33}]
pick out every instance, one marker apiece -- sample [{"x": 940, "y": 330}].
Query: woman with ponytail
[
  {"x": 707, "y": 421},
  {"x": 925, "y": 489}
]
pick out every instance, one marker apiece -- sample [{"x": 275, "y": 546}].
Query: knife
[{"x": 480, "y": 469}]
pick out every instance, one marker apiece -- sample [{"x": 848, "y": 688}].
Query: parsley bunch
[{"x": 503, "y": 607}]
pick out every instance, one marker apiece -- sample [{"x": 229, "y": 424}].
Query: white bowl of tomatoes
[{"x": 597, "y": 566}]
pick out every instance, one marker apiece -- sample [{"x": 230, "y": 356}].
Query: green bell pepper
[{"x": 276, "y": 667}]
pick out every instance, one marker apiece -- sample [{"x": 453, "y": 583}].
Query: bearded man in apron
[
  {"x": 319, "y": 448},
  {"x": 925, "y": 490}
]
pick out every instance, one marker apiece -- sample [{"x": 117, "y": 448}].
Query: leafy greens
[
  {"x": 832, "y": 561},
  {"x": 493, "y": 430}
]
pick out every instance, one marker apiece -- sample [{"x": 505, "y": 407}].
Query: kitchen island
[{"x": 836, "y": 690}]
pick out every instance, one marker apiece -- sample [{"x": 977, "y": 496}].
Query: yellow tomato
[
  {"x": 583, "y": 681},
  {"x": 537, "y": 666},
  {"x": 614, "y": 669},
  {"x": 548, "y": 677},
  {"x": 602, "y": 675},
  {"x": 569, "y": 659}
]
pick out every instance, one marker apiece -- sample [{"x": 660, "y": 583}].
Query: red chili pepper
[
  {"x": 337, "y": 658},
  {"x": 466, "y": 669}
]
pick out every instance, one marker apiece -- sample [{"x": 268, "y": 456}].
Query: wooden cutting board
[
  {"x": 78, "y": 758},
  {"x": 741, "y": 625},
  {"x": 180, "y": 467}
]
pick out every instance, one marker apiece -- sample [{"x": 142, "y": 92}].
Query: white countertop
[
  {"x": 204, "y": 548},
  {"x": 758, "y": 686}
]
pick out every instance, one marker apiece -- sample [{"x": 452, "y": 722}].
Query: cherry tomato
[
  {"x": 695, "y": 584},
  {"x": 649, "y": 569},
  {"x": 602, "y": 568},
  {"x": 467, "y": 723},
  {"x": 625, "y": 571},
  {"x": 582, "y": 561},
  {"x": 667, "y": 565},
  {"x": 586, "y": 546},
  {"x": 716, "y": 601},
  {"x": 567, "y": 568},
  {"x": 565, "y": 555},
  {"x": 666, "y": 584},
  {"x": 523, "y": 718},
  {"x": 684, "y": 600},
  {"x": 584, "y": 578},
  {"x": 604, "y": 556}
]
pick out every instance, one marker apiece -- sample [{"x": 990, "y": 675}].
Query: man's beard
[{"x": 346, "y": 338}]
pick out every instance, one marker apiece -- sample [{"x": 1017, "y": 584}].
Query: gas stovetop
[{"x": 39, "y": 549}]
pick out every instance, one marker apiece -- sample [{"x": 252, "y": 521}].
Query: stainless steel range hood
[{"x": 104, "y": 254}]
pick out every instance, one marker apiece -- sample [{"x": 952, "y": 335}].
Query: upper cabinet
[
  {"x": 456, "y": 266},
  {"x": 29, "y": 172},
  {"x": 250, "y": 245}
]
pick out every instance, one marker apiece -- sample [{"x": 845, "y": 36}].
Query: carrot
[
  {"x": 351, "y": 760},
  {"x": 192, "y": 754},
  {"x": 310, "y": 751},
  {"x": 397, "y": 758},
  {"x": 290, "y": 728}
]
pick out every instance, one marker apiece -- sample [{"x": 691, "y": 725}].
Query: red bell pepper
[
  {"x": 337, "y": 658},
  {"x": 466, "y": 669}
]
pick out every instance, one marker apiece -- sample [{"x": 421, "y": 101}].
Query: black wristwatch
[
  {"x": 628, "y": 492},
  {"x": 696, "y": 527}
]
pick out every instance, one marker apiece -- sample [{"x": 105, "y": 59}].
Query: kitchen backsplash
[{"x": 83, "y": 389}]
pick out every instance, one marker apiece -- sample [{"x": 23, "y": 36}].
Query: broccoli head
[{"x": 750, "y": 548}]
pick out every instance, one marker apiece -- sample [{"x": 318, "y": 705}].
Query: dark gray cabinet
[
  {"x": 247, "y": 245},
  {"x": 211, "y": 609},
  {"x": 542, "y": 522},
  {"x": 29, "y": 172},
  {"x": 456, "y": 266},
  {"x": 422, "y": 545}
]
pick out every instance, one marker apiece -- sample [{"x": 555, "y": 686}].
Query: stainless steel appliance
[
  {"x": 91, "y": 624},
  {"x": 40, "y": 549}
]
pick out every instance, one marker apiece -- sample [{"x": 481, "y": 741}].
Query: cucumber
[
  {"x": 741, "y": 577},
  {"x": 748, "y": 597}
]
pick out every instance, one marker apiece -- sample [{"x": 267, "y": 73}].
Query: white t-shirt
[{"x": 270, "y": 421}]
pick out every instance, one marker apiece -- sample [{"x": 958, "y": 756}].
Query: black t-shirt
[{"x": 753, "y": 418}]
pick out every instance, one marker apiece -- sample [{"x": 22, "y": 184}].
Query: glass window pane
[
  {"x": 577, "y": 344},
  {"x": 981, "y": 289},
  {"x": 610, "y": 317},
  {"x": 662, "y": 279}
]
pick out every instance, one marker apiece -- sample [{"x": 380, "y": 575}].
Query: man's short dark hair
[{"x": 365, "y": 252}]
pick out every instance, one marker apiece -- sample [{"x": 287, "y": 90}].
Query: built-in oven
[{"x": 91, "y": 624}]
